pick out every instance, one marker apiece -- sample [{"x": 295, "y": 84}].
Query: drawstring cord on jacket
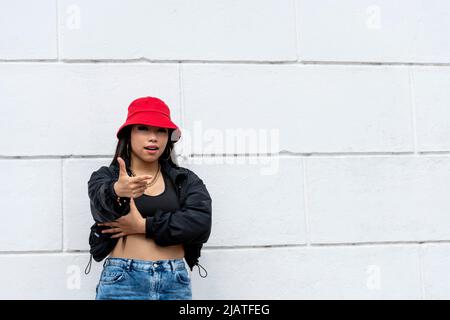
[
  {"x": 88, "y": 265},
  {"x": 199, "y": 265}
]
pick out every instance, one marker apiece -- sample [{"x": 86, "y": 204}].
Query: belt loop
[
  {"x": 172, "y": 266},
  {"x": 104, "y": 263},
  {"x": 129, "y": 261}
]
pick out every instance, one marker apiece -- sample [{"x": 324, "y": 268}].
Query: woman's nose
[{"x": 152, "y": 133}]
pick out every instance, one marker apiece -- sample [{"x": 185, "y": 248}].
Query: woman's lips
[{"x": 151, "y": 151}]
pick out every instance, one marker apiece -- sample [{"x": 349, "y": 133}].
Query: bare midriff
[{"x": 137, "y": 246}]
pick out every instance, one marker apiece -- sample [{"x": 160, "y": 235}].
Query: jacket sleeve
[
  {"x": 103, "y": 199},
  {"x": 190, "y": 224}
]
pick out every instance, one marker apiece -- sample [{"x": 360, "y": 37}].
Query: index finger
[{"x": 141, "y": 178}]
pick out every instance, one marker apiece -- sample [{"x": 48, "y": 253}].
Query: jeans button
[{"x": 155, "y": 264}]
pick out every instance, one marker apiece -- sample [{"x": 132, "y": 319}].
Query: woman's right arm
[{"x": 103, "y": 199}]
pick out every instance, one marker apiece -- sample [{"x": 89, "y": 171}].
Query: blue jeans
[{"x": 133, "y": 279}]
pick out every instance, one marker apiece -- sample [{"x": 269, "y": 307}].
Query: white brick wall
[{"x": 337, "y": 187}]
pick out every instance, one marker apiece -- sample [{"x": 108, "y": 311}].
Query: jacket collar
[{"x": 174, "y": 171}]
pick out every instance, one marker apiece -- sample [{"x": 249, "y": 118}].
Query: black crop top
[{"x": 167, "y": 200}]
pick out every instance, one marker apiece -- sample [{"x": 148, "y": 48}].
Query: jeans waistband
[{"x": 146, "y": 265}]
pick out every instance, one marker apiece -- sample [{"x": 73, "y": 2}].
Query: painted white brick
[
  {"x": 178, "y": 29},
  {"x": 77, "y": 214},
  {"x": 28, "y": 29},
  {"x": 381, "y": 198},
  {"x": 31, "y": 197},
  {"x": 436, "y": 263},
  {"x": 309, "y": 108},
  {"x": 48, "y": 276},
  {"x": 76, "y": 109},
  {"x": 432, "y": 100},
  {"x": 256, "y": 201},
  {"x": 341, "y": 272},
  {"x": 381, "y": 31}
]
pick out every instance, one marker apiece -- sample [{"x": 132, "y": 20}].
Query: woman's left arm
[{"x": 190, "y": 224}]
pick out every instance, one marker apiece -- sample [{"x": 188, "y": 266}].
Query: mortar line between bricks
[
  {"x": 243, "y": 247},
  {"x": 281, "y": 155},
  {"x": 311, "y": 246},
  {"x": 343, "y": 244},
  {"x": 230, "y": 62}
]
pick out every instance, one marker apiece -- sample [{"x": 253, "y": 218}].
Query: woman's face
[{"x": 143, "y": 136}]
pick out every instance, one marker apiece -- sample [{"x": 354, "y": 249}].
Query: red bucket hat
[{"x": 153, "y": 112}]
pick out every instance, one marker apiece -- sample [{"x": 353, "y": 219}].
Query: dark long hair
[{"x": 125, "y": 141}]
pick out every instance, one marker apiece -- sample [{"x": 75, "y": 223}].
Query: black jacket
[{"x": 190, "y": 225}]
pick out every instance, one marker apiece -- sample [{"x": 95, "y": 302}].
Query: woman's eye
[{"x": 145, "y": 128}]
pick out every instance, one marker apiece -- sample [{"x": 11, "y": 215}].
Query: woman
[{"x": 157, "y": 212}]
